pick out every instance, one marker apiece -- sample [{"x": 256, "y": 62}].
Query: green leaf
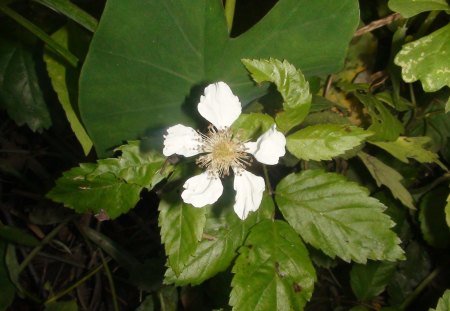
[
  {"x": 410, "y": 147},
  {"x": 168, "y": 51},
  {"x": 71, "y": 11},
  {"x": 386, "y": 175},
  {"x": 105, "y": 193},
  {"x": 444, "y": 302},
  {"x": 181, "y": 230},
  {"x": 324, "y": 141},
  {"x": 427, "y": 60},
  {"x": 385, "y": 125},
  {"x": 251, "y": 125},
  {"x": 15, "y": 235},
  {"x": 135, "y": 166},
  {"x": 370, "y": 280},
  {"x": 7, "y": 289},
  {"x": 447, "y": 211},
  {"x": 408, "y": 8},
  {"x": 147, "y": 304},
  {"x": 432, "y": 218},
  {"x": 20, "y": 93},
  {"x": 290, "y": 83},
  {"x": 62, "y": 306},
  {"x": 337, "y": 217},
  {"x": 57, "y": 71},
  {"x": 273, "y": 270}
]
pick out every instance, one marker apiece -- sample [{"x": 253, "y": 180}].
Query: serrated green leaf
[
  {"x": 409, "y": 8},
  {"x": 386, "y": 175},
  {"x": 427, "y": 60},
  {"x": 444, "y": 302},
  {"x": 251, "y": 125},
  {"x": 135, "y": 166},
  {"x": 181, "y": 229},
  {"x": 273, "y": 270},
  {"x": 7, "y": 290},
  {"x": 57, "y": 71},
  {"x": 324, "y": 141},
  {"x": 337, "y": 216},
  {"x": 170, "y": 48},
  {"x": 432, "y": 217},
  {"x": 291, "y": 84},
  {"x": 20, "y": 93},
  {"x": 385, "y": 125},
  {"x": 370, "y": 280},
  {"x": 105, "y": 193}
]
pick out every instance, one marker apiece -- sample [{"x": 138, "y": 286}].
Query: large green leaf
[
  {"x": 290, "y": 83},
  {"x": 427, "y": 60},
  {"x": 408, "y": 8},
  {"x": 273, "y": 270},
  {"x": 337, "y": 216},
  {"x": 181, "y": 230},
  {"x": 20, "y": 93},
  {"x": 386, "y": 175},
  {"x": 149, "y": 59},
  {"x": 370, "y": 280},
  {"x": 444, "y": 302},
  {"x": 324, "y": 141}
]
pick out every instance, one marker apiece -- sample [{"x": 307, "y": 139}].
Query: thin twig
[{"x": 377, "y": 24}]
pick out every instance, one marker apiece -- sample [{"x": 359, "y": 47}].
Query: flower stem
[
  {"x": 419, "y": 288},
  {"x": 230, "y": 6},
  {"x": 267, "y": 179}
]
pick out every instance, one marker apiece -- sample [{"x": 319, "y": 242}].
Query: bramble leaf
[
  {"x": 408, "y": 8},
  {"x": 324, "y": 141},
  {"x": 291, "y": 84},
  {"x": 273, "y": 270},
  {"x": 427, "y": 59},
  {"x": 181, "y": 230},
  {"x": 337, "y": 217},
  {"x": 444, "y": 302},
  {"x": 386, "y": 175}
]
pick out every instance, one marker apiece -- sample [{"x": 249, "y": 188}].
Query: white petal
[
  {"x": 182, "y": 140},
  {"x": 219, "y": 105},
  {"x": 270, "y": 146},
  {"x": 249, "y": 191},
  {"x": 202, "y": 190}
]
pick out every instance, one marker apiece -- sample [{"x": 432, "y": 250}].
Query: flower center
[{"x": 223, "y": 151}]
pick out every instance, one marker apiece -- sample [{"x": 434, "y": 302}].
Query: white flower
[{"x": 221, "y": 151}]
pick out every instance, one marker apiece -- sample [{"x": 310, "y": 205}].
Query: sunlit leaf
[
  {"x": 273, "y": 270},
  {"x": 444, "y": 302},
  {"x": 324, "y": 141},
  {"x": 408, "y": 8},
  {"x": 181, "y": 230},
  {"x": 170, "y": 50},
  {"x": 337, "y": 216},
  {"x": 370, "y": 280},
  {"x": 427, "y": 59},
  {"x": 291, "y": 84},
  {"x": 386, "y": 175}
]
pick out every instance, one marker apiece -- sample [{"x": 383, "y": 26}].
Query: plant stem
[
  {"x": 230, "y": 6},
  {"x": 426, "y": 24},
  {"x": 266, "y": 177},
  {"x": 110, "y": 281},
  {"x": 419, "y": 288}
]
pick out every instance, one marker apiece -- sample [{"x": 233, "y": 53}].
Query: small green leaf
[
  {"x": 337, "y": 216},
  {"x": 386, "y": 175},
  {"x": 251, "y": 125},
  {"x": 370, "y": 280},
  {"x": 57, "y": 71},
  {"x": 444, "y": 302},
  {"x": 385, "y": 125},
  {"x": 20, "y": 93},
  {"x": 273, "y": 270},
  {"x": 105, "y": 193},
  {"x": 15, "y": 235},
  {"x": 432, "y": 218},
  {"x": 409, "y": 8},
  {"x": 62, "y": 306},
  {"x": 324, "y": 141},
  {"x": 7, "y": 289},
  {"x": 181, "y": 230},
  {"x": 427, "y": 60},
  {"x": 291, "y": 84}
]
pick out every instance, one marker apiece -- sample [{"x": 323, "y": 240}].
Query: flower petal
[
  {"x": 249, "y": 191},
  {"x": 270, "y": 146},
  {"x": 219, "y": 105},
  {"x": 182, "y": 140},
  {"x": 202, "y": 190}
]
